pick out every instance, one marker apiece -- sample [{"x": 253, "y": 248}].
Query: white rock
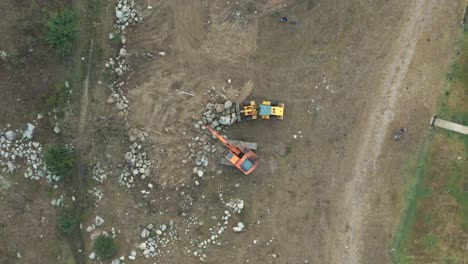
[
  {"x": 237, "y": 229},
  {"x": 146, "y": 252},
  {"x": 56, "y": 129},
  {"x": 150, "y": 7},
  {"x": 111, "y": 35},
  {"x": 92, "y": 255},
  {"x": 98, "y": 221},
  {"x": 119, "y": 14},
  {"x": 241, "y": 225},
  {"x": 142, "y": 246},
  {"x": 197, "y": 183},
  {"x": 229, "y": 81},
  {"x": 28, "y": 131},
  {"x": 163, "y": 227},
  {"x": 200, "y": 173},
  {"x": 116, "y": 261},
  {"x": 158, "y": 232},
  {"x": 11, "y": 166},
  {"x": 133, "y": 253},
  {"x": 131, "y": 257},
  {"x": 123, "y": 52},
  {"x": 162, "y": 53},
  {"x": 227, "y": 104},
  {"x": 145, "y": 233},
  {"x": 10, "y": 135},
  {"x": 34, "y": 157}
]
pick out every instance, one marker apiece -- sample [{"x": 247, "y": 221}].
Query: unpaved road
[{"x": 382, "y": 113}]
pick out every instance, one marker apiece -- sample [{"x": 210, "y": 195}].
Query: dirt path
[
  {"x": 78, "y": 183},
  {"x": 366, "y": 161}
]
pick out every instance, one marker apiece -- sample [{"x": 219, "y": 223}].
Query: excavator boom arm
[{"x": 231, "y": 147}]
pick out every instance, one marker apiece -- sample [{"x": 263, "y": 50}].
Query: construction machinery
[
  {"x": 249, "y": 110},
  {"x": 238, "y": 155}
]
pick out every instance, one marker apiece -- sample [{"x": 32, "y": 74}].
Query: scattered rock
[
  {"x": 145, "y": 233},
  {"x": 92, "y": 255},
  {"x": 98, "y": 221}
]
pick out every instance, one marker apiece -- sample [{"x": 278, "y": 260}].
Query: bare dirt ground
[
  {"x": 348, "y": 73},
  {"x": 330, "y": 185}
]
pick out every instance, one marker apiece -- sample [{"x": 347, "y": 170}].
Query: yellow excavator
[{"x": 249, "y": 110}]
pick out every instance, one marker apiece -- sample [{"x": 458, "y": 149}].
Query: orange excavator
[{"x": 239, "y": 155}]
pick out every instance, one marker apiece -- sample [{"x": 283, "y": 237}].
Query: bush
[
  {"x": 59, "y": 160},
  {"x": 104, "y": 247},
  {"x": 62, "y": 31},
  {"x": 66, "y": 223}
]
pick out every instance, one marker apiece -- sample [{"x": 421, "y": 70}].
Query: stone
[
  {"x": 98, "y": 221},
  {"x": 115, "y": 261},
  {"x": 92, "y": 255},
  {"x": 120, "y": 106},
  {"x": 29, "y": 130},
  {"x": 56, "y": 129},
  {"x": 241, "y": 225},
  {"x": 128, "y": 156},
  {"x": 219, "y": 108},
  {"x": 237, "y": 229},
  {"x": 142, "y": 246},
  {"x": 197, "y": 183},
  {"x": 111, "y": 35},
  {"x": 158, "y": 232},
  {"x": 163, "y": 227},
  {"x": 131, "y": 257},
  {"x": 123, "y": 52},
  {"x": 34, "y": 157},
  {"x": 10, "y": 135},
  {"x": 200, "y": 173},
  {"x": 11, "y": 166},
  {"x": 225, "y": 120},
  {"x": 227, "y": 104},
  {"x": 133, "y": 253},
  {"x": 119, "y": 14},
  {"x": 145, "y": 233},
  {"x": 162, "y": 53}
]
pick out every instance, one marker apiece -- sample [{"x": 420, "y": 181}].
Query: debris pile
[
  {"x": 219, "y": 113},
  {"x": 126, "y": 15},
  {"x": 216, "y": 230},
  {"x": 137, "y": 163},
  {"x": 17, "y": 144},
  {"x": 156, "y": 239}
]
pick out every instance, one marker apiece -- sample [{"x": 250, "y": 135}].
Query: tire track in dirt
[{"x": 355, "y": 200}]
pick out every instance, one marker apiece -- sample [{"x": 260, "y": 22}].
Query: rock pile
[
  {"x": 126, "y": 15},
  {"x": 17, "y": 144},
  {"x": 219, "y": 113},
  {"x": 137, "y": 163},
  {"x": 156, "y": 238},
  {"x": 236, "y": 206},
  {"x": 99, "y": 174}
]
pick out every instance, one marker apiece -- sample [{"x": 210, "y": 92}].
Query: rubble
[
  {"x": 137, "y": 163},
  {"x": 156, "y": 239}
]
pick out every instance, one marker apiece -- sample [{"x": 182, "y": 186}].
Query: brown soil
[{"x": 329, "y": 188}]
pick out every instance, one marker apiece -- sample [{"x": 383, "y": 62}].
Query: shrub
[
  {"x": 104, "y": 247},
  {"x": 66, "y": 223},
  {"x": 62, "y": 31},
  {"x": 59, "y": 160}
]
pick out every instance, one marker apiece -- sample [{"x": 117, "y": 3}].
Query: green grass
[
  {"x": 59, "y": 160},
  {"x": 423, "y": 225},
  {"x": 66, "y": 222},
  {"x": 62, "y": 31},
  {"x": 104, "y": 247}
]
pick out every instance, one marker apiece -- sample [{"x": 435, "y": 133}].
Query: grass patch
[
  {"x": 104, "y": 247},
  {"x": 62, "y": 31},
  {"x": 66, "y": 222},
  {"x": 434, "y": 223},
  {"x": 59, "y": 160}
]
